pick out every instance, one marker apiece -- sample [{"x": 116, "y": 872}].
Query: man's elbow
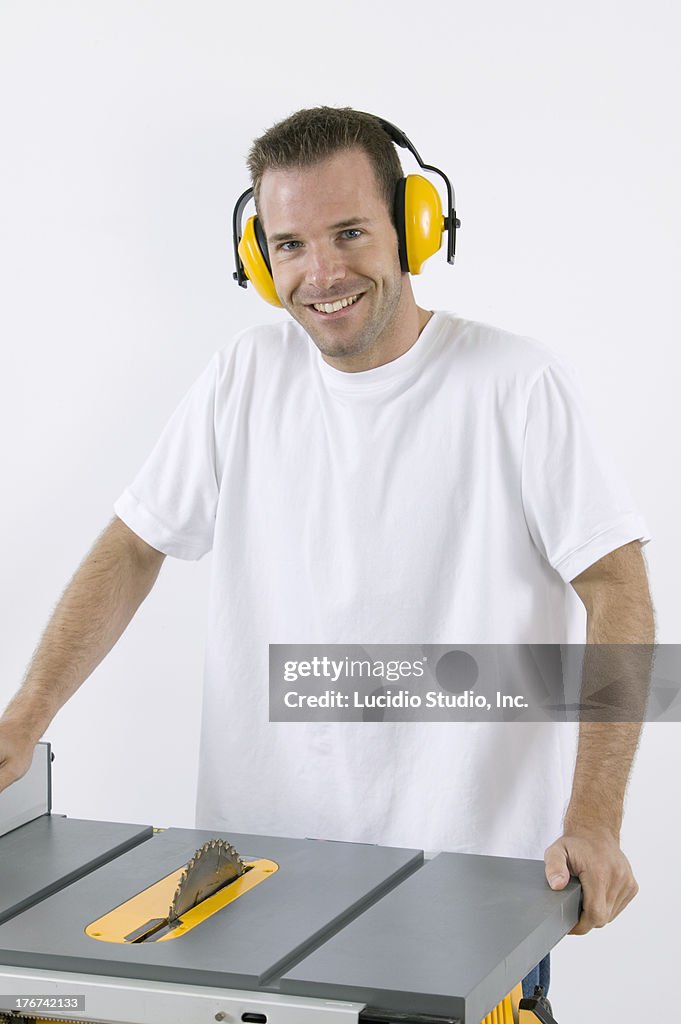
[
  {"x": 148, "y": 558},
  {"x": 616, "y": 594}
]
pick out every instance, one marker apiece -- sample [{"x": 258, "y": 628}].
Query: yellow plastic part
[
  {"x": 153, "y": 903},
  {"x": 256, "y": 269},
  {"x": 516, "y": 996},
  {"x": 506, "y": 1012},
  {"x": 423, "y": 221}
]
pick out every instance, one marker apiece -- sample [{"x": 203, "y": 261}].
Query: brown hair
[{"x": 311, "y": 135}]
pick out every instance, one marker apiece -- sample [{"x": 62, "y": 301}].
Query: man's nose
[{"x": 324, "y": 267}]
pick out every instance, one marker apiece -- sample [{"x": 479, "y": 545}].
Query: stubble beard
[{"x": 380, "y": 323}]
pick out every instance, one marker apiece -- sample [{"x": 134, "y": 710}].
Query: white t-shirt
[{"x": 446, "y": 497}]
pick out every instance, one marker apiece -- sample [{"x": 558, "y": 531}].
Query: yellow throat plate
[{"x": 151, "y": 905}]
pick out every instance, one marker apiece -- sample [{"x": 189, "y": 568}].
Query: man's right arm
[{"x": 93, "y": 612}]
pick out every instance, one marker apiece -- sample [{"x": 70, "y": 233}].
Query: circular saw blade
[{"x": 212, "y": 866}]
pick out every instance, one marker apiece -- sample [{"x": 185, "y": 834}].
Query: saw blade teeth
[{"x": 213, "y": 865}]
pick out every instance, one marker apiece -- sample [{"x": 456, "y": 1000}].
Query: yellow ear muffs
[
  {"x": 254, "y": 256},
  {"x": 419, "y": 221}
]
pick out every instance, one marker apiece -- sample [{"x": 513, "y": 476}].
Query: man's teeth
[{"x": 333, "y": 307}]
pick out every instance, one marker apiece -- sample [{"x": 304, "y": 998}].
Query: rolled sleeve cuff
[
  {"x": 145, "y": 524},
  {"x": 625, "y": 530}
]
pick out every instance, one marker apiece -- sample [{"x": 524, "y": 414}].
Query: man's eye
[
  {"x": 284, "y": 246},
  {"x": 355, "y": 232}
]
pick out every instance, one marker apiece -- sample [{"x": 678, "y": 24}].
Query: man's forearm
[
  {"x": 604, "y": 758},
  {"x": 617, "y": 660},
  {"x": 91, "y": 615}
]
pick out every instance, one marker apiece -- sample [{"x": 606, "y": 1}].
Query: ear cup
[
  {"x": 422, "y": 219},
  {"x": 399, "y": 225},
  {"x": 255, "y": 258},
  {"x": 262, "y": 242}
]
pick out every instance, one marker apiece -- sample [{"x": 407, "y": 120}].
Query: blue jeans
[{"x": 539, "y": 975}]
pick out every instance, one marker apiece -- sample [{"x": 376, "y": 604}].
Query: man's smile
[{"x": 337, "y": 309}]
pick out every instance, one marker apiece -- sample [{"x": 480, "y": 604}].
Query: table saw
[{"x": 121, "y": 923}]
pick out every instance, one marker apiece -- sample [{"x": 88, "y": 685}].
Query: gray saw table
[{"x": 340, "y": 930}]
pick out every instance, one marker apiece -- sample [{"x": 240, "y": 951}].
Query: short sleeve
[
  {"x": 576, "y": 508},
  {"x": 171, "y": 503}
]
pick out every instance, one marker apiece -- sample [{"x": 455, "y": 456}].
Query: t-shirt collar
[{"x": 382, "y": 376}]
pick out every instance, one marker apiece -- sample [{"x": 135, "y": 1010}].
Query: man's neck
[{"x": 411, "y": 325}]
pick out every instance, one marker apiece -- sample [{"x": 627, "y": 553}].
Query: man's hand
[
  {"x": 16, "y": 753},
  {"x": 595, "y": 857}
]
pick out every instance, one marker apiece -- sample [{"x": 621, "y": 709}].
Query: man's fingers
[
  {"x": 12, "y": 768},
  {"x": 604, "y": 897},
  {"x": 595, "y": 909},
  {"x": 7, "y": 777},
  {"x": 556, "y": 866},
  {"x": 625, "y": 897},
  {"x": 623, "y": 887}
]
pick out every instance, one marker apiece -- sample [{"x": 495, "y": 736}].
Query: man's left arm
[{"x": 615, "y": 593}]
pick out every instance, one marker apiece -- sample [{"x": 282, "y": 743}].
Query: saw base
[{"x": 339, "y": 933}]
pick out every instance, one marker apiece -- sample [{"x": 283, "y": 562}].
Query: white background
[{"x": 124, "y": 127}]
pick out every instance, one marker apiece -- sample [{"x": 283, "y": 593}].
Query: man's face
[{"x": 330, "y": 237}]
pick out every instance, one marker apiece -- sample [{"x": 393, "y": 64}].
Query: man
[{"x": 371, "y": 471}]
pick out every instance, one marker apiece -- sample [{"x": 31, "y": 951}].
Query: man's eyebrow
[{"x": 287, "y": 236}]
